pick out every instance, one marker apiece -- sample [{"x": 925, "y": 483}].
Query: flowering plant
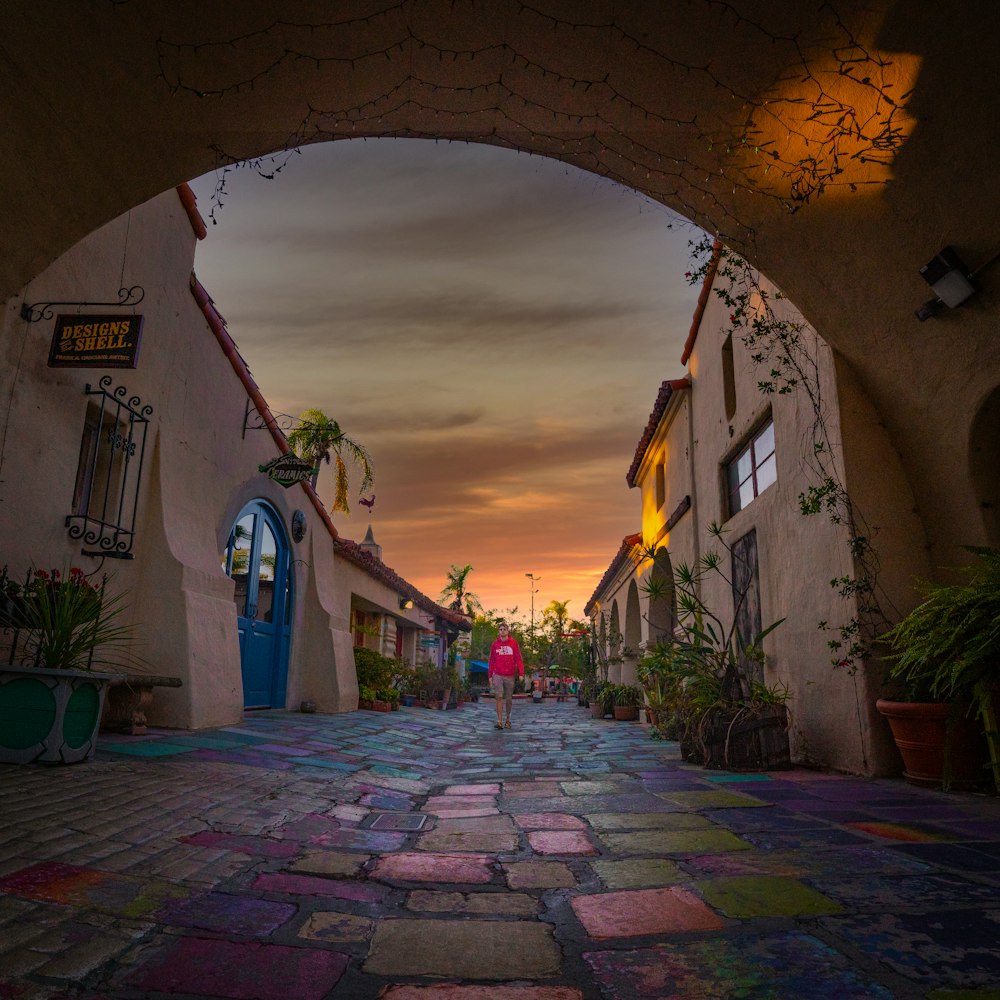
[{"x": 62, "y": 621}]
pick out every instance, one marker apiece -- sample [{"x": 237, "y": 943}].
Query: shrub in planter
[
  {"x": 712, "y": 673},
  {"x": 946, "y": 651},
  {"x": 60, "y": 634},
  {"x": 625, "y": 702}
]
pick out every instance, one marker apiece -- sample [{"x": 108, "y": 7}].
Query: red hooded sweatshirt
[{"x": 505, "y": 658}]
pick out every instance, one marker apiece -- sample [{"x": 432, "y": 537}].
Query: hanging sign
[
  {"x": 82, "y": 341},
  {"x": 287, "y": 470}
]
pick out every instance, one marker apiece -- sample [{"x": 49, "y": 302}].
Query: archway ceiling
[{"x": 840, "y": 146}]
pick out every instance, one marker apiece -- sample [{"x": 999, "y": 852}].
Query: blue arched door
[{"x": 257, "y": 560}]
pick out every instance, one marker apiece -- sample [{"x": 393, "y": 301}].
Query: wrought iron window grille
[{"x": 110, "y": 472}]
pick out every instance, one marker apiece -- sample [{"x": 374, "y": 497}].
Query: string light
[{"x": 822, "y": 131}]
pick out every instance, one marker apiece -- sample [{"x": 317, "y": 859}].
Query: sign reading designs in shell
[
  {"x": 95, "y": 342},
  {"x": 287, "y": 470}
]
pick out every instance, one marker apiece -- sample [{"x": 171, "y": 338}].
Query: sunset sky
[{"x": 493, "y": 327}]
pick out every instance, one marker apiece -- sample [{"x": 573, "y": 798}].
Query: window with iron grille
[{"x": 109, "y": 471}]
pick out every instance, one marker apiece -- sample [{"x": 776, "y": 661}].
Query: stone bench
[{"x": 129, "y": 699}]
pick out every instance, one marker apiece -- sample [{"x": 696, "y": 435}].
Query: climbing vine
[{"x": 785, "y": 360}]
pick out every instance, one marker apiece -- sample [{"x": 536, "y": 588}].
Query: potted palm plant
[
  {"x": 62, "y": 638},
  {"x": 945, "y": 668},
  {"x": 730, "y": 717},
  {"x": 626, "y": 700}
]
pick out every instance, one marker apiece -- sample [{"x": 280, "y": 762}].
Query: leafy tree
[
  {"x": 462, "y": 600},
  {"x": 317, "y": 439}
]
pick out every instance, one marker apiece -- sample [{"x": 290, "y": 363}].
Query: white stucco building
[
  {"x": 151, "y": 472},
  {"x": 717, "y": 449}
]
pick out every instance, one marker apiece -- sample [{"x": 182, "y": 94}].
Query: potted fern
[{"x": 945, "y": 667}]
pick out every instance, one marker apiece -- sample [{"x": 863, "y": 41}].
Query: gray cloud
[{"x": 493, "y": 327}]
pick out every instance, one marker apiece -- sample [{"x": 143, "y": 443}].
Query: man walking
[{"x": 505, "y": 664}]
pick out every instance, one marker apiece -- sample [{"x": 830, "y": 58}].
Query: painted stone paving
[
  {"x": 945, "y": 947},
  {"x": 773, "y": 967},
  {"x": 422, "y": 855}
]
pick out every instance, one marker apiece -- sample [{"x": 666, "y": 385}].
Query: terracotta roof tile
[
  {"x": 699, "y": 309},
  {"x": 629, "y": 542},
  {"x": 190, "y": 203},
  {"x": 667, "y": 389}
]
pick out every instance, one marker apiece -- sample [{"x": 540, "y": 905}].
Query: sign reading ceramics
[
  {"x": 287, "y": 470},
  {"x": 82, "y": 341}
]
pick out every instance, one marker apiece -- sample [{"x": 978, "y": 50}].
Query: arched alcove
[
  {"x": 632, "y": 634},
  {"x": 615, "y": 645},
  {"x": 984, "y": 464},
  {"x": 662, "y": 613}
]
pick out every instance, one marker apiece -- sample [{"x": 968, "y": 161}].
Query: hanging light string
[{"x": 833, "y": 106}]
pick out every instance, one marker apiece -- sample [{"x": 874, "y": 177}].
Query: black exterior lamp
[{"x": 950, "y": 280}]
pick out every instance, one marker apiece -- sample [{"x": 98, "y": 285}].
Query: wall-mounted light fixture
[
  {"x": 950, "y": 280},
  {"x": 405, "y": 603}
]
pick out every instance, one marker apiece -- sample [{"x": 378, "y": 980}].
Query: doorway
[{"x": 257, "y": 561}]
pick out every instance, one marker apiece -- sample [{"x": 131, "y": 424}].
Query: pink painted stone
[
  {"x": 644, "y": 911},
  {"x": 549, "y": 821},
  {"x": 305, "y": 885},
  {"x": 452, "y": 868},
  {"x": 467, "y": 813},
  {"x": 438, "y": 802},
  {"x": 448, "y": 991},
  {"x": 493, "y": 789},
  {"x": 241, "y": 970},
  {"x": 560, "y": 842}
]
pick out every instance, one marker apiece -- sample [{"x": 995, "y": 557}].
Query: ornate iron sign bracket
[{"x": 43, "y": 310}]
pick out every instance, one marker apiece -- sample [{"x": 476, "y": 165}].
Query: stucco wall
[
  {"x": 199, "y": 471},
  {"x": 832, "y": 709}
]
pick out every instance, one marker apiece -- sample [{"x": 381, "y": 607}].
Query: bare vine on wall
[
  {"x": 785, "y": 360},
  {"x": 833, "y": 115}
]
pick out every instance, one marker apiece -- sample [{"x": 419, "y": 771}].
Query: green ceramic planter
[{"x": 50, "y": 716}]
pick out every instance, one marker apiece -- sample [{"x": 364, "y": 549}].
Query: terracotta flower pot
[
  {"x": 933, "y": 758},
  {"x": 626, "y": 713}
]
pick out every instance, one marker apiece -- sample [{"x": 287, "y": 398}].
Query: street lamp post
[{"x": 534, "y": 589}]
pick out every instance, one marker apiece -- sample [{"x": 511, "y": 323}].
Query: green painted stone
[
  {"x": 674, "y": 842},
  {"x": 27, "y": 712},
  {"x": 640, "y": 873},
  {"x": 81, "y": 715},
  {"x": 745, "y": 896}
]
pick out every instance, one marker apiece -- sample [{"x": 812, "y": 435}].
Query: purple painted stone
[
  {"x": 354, "y": 839},
  {"x": 308, "y": 828},
  {"x": 252, "y": 846},
  {"x": 241, "y": 970},
  {"x": 241, "y": 916},
  {"x": 284, "y": 748},
  {"x": 306, "y": 885},
  {"x": 484, "y": 789}
]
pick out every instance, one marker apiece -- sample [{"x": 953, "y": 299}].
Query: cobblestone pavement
[{"x": 424, "y": 854}]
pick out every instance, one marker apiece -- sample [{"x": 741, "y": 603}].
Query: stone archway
[{"x": 823, "y": 142}]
